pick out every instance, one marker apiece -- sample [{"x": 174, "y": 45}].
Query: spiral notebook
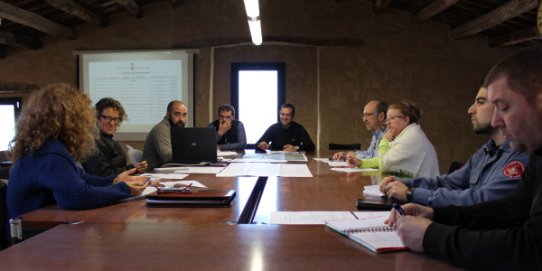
[{"x": 369, "y": 231}]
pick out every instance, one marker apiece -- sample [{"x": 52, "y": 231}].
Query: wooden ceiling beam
[
  {"x": 287, "y": 40},
  {"x": 19, "y": 41},
  {"x": 497, "y": 16},
  {"x": 433, "y": 9},
  {"x": 380, "y": 6},
  {"x": 523, "y": 35},
  {"x": 132, "y": 7},
  {"x": 21, "y": 16},
  {"x": 75, "y": 9}
]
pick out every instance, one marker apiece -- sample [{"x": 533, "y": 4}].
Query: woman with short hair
[{"x": 404, "y": 150}]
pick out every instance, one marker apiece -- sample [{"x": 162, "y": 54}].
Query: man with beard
[
  {"x": 157, "y": 148},
  {"x": 493, "y": 172},
  {"x": 500, "y": 234}
]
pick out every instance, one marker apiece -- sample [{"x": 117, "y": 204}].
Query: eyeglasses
[
  {"x": 109, "y": 119},
  {"x": 391, "y": 118},
  {"x": 366, "y": 115}
]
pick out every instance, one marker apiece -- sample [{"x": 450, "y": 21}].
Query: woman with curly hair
[
  {"x": 54, "y": 132},
  {"x": 109, "y": 158},
  {"x": 404, "y": 150}
]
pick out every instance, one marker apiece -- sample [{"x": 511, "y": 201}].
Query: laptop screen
[{"x": 193, "y": 145}]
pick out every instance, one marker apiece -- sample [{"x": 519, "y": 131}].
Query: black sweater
[{"x": 497, "y": 235}]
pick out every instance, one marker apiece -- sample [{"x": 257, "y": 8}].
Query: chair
[
  {"x": 336, "y": 146},
  {"x": 133, "y": 155},
  {"x": 4, "y": 224}
]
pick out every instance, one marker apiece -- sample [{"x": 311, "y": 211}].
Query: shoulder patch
[{"x": 514, "y": 169}]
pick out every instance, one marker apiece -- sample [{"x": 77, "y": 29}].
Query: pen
[
  {"x": 147, "y": 180},
  {"x": 398, "y": 209}
]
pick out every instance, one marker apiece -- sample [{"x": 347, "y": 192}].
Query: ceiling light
[{"x": 253, "y": 16}]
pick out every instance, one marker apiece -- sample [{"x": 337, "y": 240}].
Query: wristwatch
[{"x": 409, "y": 194}]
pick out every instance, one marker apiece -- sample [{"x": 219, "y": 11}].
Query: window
[
  {"x": 9, "y": 111},
  {"x": 258, "y": 91}
]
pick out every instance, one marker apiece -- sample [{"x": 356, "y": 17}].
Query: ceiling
[{"x": 26, "y": 22}]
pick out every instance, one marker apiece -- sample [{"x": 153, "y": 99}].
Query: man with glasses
[
  {"x": 374, "y": 118},
  {"x": 230, "y": 133},
  {"x": 157, "y": 148},
  {"x": 109, "y": 158}
]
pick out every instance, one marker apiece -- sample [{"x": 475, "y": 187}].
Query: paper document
[
  {"x": 275, "y": 156},
  {"x": 372, "y": 191},
  {"x": 350, "y": 169},
  {"x": 325, "y": 160},
  {"x": 146, "y": 191},
  {"x": 199, "y": 170},
  {"x": 166, "y": 176},
  {"x": 370, "y": 231},
  {"x": 193, "y": 184},
  {"x": 337, "y": 163},
  {"x": 308, "y": 218},
  {"x": 226, "y": 153},
  {"x": 265, "y": 169}
]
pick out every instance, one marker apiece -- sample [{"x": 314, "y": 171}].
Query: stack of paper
[{"x": 372, "y": 191}]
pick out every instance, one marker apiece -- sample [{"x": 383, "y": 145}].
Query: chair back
[
  {"x": 4, "y": 223},
  {"x": 133, "y": 155},
  {"x": 337, "y": 146}
]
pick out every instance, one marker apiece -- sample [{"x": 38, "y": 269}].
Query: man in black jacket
[
  {"x": 503, "y": 234},
  {"x": 286, "y": 135},
  {"x": 230, "y": 133}
]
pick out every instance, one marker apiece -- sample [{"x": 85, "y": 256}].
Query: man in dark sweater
[
  {"x": 502, "y": 234},
  {"x": 286, "y": 135},
  {"x": 230, "y": 133}
]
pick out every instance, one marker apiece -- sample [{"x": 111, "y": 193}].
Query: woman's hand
[
  {"x": 352, "y": 160},
  {"x": 390, "y": 134}
]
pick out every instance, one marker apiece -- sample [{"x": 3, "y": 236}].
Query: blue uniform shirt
[
  {"x": 491, "y": 173},
  {"x": 372, "y": 151}
]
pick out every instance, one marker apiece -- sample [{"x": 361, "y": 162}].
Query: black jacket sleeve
[{"x": 498, "y": 235}]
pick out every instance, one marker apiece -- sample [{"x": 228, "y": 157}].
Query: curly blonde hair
[{"x": 57, "y": 111}]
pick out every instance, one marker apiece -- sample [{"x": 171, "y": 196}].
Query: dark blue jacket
[{"x": 51, "y": 175}]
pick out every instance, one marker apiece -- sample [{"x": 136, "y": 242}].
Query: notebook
[
  {"x": 370, "y": 232},
  {"x": 198, "y": 198},
  {"x": 193, "y": 145}
]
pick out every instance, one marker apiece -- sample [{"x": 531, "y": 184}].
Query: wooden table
[
  {"x": 171, "y": 246},
  {"x": 130, "y": 236},
  {"x": 327, "y": 191},
  {"x": 136, "y": 212}
]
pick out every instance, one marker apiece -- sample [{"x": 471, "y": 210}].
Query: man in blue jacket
[{"x": 493, "y": 172}]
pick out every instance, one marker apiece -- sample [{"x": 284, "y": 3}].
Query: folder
[
  {"x": 198, "y": 198},
  {"x": 374, "y": 204}
]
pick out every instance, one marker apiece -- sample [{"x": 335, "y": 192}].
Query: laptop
[{"x": 193, "y": 145}]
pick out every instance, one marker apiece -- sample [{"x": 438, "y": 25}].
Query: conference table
[{"x": 131, "y": 236}]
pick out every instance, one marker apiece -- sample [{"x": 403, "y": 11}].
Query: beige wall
[{"x": 328, "y": 85}]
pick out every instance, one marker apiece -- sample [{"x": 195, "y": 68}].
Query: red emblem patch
[{"x": 514, "y": 169}]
